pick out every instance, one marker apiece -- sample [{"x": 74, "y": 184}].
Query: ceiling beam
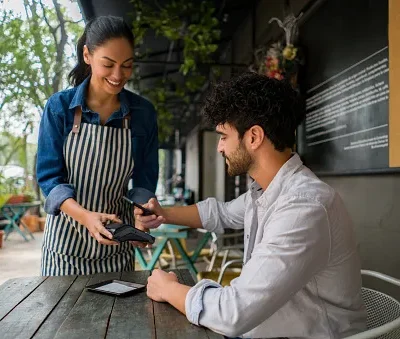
[
  {"x": 166, "y": 51},
  {"x": 174, "y": 63},
  {"x": 158, "y": 74}
]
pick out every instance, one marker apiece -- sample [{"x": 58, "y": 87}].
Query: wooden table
[{"x": 60, "y": 307}]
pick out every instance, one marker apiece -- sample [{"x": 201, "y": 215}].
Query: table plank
[
  {"x": 170, "y": 323},
  {"x": 13, "y": 291},
  {"x": 132, "y": 316},
  {"x": 46, "y": 302},
  {"x": 63, "y": 308},
  {"x": 187, "y": 279},
  {"x": 24, "y": 320},
  {"x": 89, "y": 317}
]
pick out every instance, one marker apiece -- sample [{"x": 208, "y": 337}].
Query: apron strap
[
  {"x": 77, "y": 120},
  {"x": 78, "y": 117}
]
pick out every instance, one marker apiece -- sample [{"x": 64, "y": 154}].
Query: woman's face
[{"x": 111, "y": 64}]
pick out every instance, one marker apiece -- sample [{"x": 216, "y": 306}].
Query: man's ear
[
  {"x": 256, "y": 137},
  {"x": 86, "y": 55}
]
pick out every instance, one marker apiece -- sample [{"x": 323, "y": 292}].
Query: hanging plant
[
  {"x": 195, "y": 27},
  {"x": 194, "y": 24}
]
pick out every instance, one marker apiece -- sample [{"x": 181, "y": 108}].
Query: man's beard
[{"x": 239, "y": 162}]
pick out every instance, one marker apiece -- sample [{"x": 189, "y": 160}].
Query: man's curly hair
[{"x": 254, "y": 99}]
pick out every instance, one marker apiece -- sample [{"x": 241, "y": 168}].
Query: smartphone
[
  {"x": 116, "y": 287},
  {"x": 145, "y": 210}
]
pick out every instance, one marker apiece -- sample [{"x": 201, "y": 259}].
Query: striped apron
[{"x": 99, "y": 165}]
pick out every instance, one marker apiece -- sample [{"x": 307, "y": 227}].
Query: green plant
[
  {"x": 34, "y": 59},
  {"x": 192, "y": 25}
]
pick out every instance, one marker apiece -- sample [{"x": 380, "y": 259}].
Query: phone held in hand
[{"x": 145, "y": 210}]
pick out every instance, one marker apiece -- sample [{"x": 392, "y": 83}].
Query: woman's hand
[{"x": 94, "y": 222}]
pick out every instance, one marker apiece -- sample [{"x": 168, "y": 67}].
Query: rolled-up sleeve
[
  {"x": 50, "y": 169},
  {"x": 295, "y": 246},
  {"x": 194, "y": 300},
  {"x": 215, "y": 215}
]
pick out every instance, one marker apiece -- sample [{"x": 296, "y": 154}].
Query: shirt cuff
[
  {"x": 204, "y": 212},
  {"x": 194, "y": 299},
  {"x": 57, "y": 196}
]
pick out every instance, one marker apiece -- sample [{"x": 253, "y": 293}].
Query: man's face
[{"x": 237, "y": 157}]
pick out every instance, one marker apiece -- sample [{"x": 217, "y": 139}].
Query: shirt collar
[
  {"x": 80, "y": 95},
  {"x": 277, "y": 184}
]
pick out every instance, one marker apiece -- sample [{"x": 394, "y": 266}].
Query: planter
[
  {"x": 16, "y": 199},
  {"x": 32, "y": 222},
  {"x": 19, "y": 199}
]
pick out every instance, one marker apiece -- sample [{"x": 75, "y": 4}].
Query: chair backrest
[{"x": 381, "y": 309}]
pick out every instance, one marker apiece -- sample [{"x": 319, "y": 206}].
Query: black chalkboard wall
[{"x": 346, "y": 83}]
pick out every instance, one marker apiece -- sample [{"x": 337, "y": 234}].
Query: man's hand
[
  {"x": 94, "y": 222},
  {"x": 158, "y": 284},
  {"x": 151, "y": 221},
  {"x": 144, "y": 223}
]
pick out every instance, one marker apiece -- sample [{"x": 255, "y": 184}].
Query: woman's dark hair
[
  {"x": 255, "y": 99},
  {"x": 97, "y": 32}
]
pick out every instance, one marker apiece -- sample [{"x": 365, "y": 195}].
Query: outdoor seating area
[{"x": 182, "y": 169}]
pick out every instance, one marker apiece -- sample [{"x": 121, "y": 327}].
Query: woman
[{"x": 93, "y": 139}]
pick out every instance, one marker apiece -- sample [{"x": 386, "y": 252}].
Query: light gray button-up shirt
[{"x": 301, "y": 275}]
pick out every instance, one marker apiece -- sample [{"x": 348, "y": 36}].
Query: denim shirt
[
  {"x": 301, "y": 275},
  {"x": 56, "y": 124}
]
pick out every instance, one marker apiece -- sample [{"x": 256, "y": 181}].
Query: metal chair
[
  {"x": 225, "y": 267},
  {"x": 219, "y": 247},
  {"x": 222, "y": 248},
  {"x": 383, "y": 311}
]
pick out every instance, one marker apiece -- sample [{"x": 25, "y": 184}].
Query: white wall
[
  {"x": 192, "y": 164},
  {"x": 213, "y": 167}
]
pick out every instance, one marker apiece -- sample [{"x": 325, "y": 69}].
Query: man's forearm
[
  {"x": 183, "y": 215},
  {"x": 175, "y": 294}
]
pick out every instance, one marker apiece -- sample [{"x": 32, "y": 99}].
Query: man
[{"x": 301, "y": 274}]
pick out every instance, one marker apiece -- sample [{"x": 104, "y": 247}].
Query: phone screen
[
  {"x": 115, "y": 288},
  {"x": 118, "y": 287}
]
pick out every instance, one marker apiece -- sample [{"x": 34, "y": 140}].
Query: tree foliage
[
  {"x": 33, "y": 59},
  {"x": 36, "y": 52}
]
